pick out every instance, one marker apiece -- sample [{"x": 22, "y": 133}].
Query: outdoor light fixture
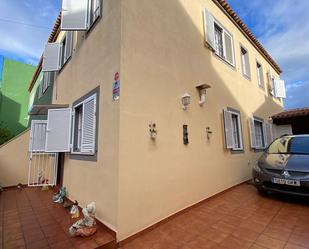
[
  {"x": 186, "y": 99},
  {"x": 202, "y": 89}
]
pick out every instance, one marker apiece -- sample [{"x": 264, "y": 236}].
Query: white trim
[{"x": 82, "y": 103}]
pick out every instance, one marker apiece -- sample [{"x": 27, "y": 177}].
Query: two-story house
[{"x": 168, "y": 104}]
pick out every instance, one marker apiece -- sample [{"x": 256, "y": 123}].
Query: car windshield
[{"x": 290, "y": 145}]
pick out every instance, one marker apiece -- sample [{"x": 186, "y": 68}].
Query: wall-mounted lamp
[
  {"x": 186, "y": 100},
  {"x": 202, "y": 89},
  {"x": 153, "y": 131}
]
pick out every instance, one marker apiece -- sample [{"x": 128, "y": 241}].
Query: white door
[{"x": 42, "y": 165}]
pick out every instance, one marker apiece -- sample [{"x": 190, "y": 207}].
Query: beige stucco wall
[
  {"x": 163, "y": 56},
  {"x": 14, "y": 160},
  {"x": 95, "y": 60}
]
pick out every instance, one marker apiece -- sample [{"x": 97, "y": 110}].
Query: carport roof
[{"x": 293, "y": 113}]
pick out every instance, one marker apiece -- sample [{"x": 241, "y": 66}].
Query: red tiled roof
[
  {"x": 52, "y": 37},
  {"x": 223, "y": 4},
  {"x": 301, "y": 112}
]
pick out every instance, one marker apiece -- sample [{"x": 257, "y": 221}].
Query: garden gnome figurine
[
  {"x": 86, "y": 226},
  {"x": 59, "y": 197}
]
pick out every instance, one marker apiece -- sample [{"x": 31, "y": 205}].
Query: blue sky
[
  {"x": 281, "y": 26},
  {"x": 25, "y": 26}
]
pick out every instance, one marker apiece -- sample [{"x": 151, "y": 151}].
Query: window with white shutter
[
  {"x": 47, "y": 80},
  {"x": 260, "y": 76},
  {"x": 58, "y": 132},
  {"x": 84, "y": 127},
  {"x": 65, "y": 48},
  {"x": 80, "y": 14},
  {"x": 279, "y": 88},
  {"x": 38, "y": 136},
  {"x": 245, "y": 65},
  {"x": 218, "y": 39},
  {"x": 271, "y": 86},
  {"x": 260, "y": 133},
  {"x": 51, "y": 57},
  {"x": 232, "y": 130},
  {"x": 209, "y": 29}
]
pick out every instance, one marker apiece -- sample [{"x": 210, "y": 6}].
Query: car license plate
[{"x": 286, "y": 182}]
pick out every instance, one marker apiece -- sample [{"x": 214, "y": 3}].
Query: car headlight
[{"x": 256, "y": 167}]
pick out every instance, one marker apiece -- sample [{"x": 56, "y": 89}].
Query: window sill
[
  {"x": 237, "y": 151},
  {"x": 82, "y": 154},
  {"x": 224, "y": 61},
  {"x": 246, "y": 77}
]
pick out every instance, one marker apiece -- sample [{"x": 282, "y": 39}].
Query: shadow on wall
[{"x": 10, "y": 115}]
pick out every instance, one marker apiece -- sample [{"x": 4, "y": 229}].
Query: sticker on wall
[{"x": 116, "y": 87}]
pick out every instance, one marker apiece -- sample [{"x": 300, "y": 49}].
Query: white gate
[{"x": 42, "y": 165}]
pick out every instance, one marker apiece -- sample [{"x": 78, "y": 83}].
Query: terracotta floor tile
[
  {"x": 202, "y": 244},
  {"x": 300, "y": 240},
  {"x": 293, "y": 246},
  {"x": 278, "y": 233},
  {"x": 215, "y": 235},
  {"x": 42, "y": 244},
  {"x": 269, "y": 242},
  {"x": 232, "y": 242},
  {"x": 256, "y": 246},
  {"x": 245, "y": 234}
]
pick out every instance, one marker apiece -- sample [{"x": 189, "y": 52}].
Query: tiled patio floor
[
  {"x": 29, "y": 219},
  {"x": 239, "y": 218}
]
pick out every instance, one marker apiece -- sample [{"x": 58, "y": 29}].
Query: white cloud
[{"x": 25, "y": 42}]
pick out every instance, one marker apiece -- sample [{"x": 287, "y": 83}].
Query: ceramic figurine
[
  {"x": 74, "y": 211},
  {"x": 86, "y": 226},
  {"x": 59, "y": 197}
]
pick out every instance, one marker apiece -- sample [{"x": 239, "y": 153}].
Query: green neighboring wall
[
  {"x": 14, "y": 95},
  {"x": 36, "y": 99}
]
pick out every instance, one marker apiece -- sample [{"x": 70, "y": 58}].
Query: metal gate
[{"x": 42, "y": 165}]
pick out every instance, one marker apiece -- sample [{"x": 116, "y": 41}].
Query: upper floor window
[
  {"x": 65, "y": 48},
  {"x": 80, "y": 14},
  {"x": 259, "y": 72},
  {"x": 245, "y": 65},
  {"x": 219, "y": 41},
  {"x": 218, "y": 38},
  {"x": 56, "y": 54},
  {"x": 95, "y": 11},
  {"x": 46, "y": 82}
]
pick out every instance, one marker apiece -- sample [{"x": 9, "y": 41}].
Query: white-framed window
[
  {"x": 245, "y": 64},
  {"x": 233, "y": 130},
  {"x": 46, "y": 82},
  {"x": 95, "y": 11},
  {"x": 218, "y": 39},
  {"x": 260, "y": 133},
  {"x": 84, "y": 126},
  {"x": 260, "y": 76},
  {"x": 66, "y": 48}
]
